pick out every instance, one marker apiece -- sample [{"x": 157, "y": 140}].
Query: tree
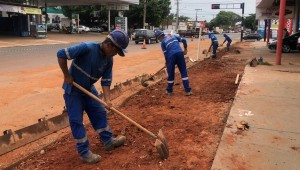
[
  {"x": 251, "y": 22},
  {"x": 86, "y": 14},
  {"x": 168, "y": 20},
  {"x": 225, "y": 19},
  {"x": 157, "y": 11},
  {"x": 183, "y": 18}
]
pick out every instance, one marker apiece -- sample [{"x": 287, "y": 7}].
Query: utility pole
[
  {"x": 144, "y": 18},
  {"x": 242, "y": 31},
  {"x": 177, "y": 15},
  {"x": 196, "y": 13}
]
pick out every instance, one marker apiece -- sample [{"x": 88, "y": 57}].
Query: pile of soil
[{"x": 193, "y": 125}]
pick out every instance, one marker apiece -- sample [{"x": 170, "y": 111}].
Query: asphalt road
[{"x": 22, "y": 58}]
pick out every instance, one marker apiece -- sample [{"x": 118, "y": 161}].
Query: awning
[
  {"x": 19, "y": 9},
  {"x": 27, "y": 10},
  {"x": 10, "y": 8},
  {"x": 269, "y": 9},
  {"x": 84, "y": 2},
  {"x": 270, "y": 3}
]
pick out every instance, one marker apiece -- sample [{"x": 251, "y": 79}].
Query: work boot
[
  {"x": 188, "y": 93},
  {"x": 169, "y": 93},
  {"x": 116, "y": 142},
  {"x": 213, "y": 57},
  {"x": 91, "y": 158}
]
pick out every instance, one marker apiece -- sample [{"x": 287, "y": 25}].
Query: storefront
[
  {"x": 17, "y": 20},
  {"x": 19, "y": 17}
]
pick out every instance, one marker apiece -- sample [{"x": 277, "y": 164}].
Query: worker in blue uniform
[
  {"x": 228, "y": 39},
  {"x": 214, "y": 44},
  {"x": 91, "y": 61},
  {"x": 174, "y": 56}
]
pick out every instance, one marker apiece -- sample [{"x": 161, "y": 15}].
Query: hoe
[{"x": 160, "y": 142}]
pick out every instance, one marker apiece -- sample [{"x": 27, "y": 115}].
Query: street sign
[
  {"x": 75, "y": 16},
  {"x": 215, "y": 6},
  {"x": 41, "y": 31},
  {"x": 121, "y": 23}
]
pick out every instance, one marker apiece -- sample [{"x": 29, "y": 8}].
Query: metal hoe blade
[{"x": 161, "y": 145}]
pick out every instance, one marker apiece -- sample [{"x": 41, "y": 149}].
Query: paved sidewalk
[{"x": 268, "y": 98}]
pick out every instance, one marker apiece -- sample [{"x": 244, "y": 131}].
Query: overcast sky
[{"x": 187, "y": 8}]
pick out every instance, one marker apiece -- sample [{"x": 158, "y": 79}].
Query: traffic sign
[{"x": 215, "y": 6}]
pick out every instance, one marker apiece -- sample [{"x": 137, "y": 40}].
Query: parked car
[
  {"x": 172, "y": 32},
  {"x": 133, "y": 34},
  {"x": 252, "y": 36},
  {"x": 188, "y": 33},
  {"x": 289, "y": 43},
  {"x": 96, "y": 29},
  {"x": 83, "y": 28},
  {"x": 145, "y": 34},
  {"x": 49, "y": 27},
  {"x": 155, "y": 29},
  {"x": 52, "y": 26}
]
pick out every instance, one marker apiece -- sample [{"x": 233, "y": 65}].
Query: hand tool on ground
[
  {"x": 192, "y": 60},
  {"x": 208, "y": 50},
  {"x": 160, "y": 142},
  {"x": 151, "y": 78}
]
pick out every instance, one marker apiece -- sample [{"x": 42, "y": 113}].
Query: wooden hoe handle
[{"x": 114, "y": 109}]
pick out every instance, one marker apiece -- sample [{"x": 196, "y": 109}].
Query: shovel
[
  {"x": 151, "y": 78},
  {"x": 208, "y": 51},
  {"x": 160, "y": 142}
]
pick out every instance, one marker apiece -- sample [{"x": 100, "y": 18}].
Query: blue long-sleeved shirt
[
  {"x": 213, "y": 39},
  {"x": 88, "y": 66},
  {"x": 227, "y": 38},
  {"x": 170, "y": 45}
]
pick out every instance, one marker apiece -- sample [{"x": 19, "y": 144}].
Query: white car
[
  {"x": 96, "y": 29},
  {"x": 83, "y": 28},
  {"x": 172, "y": 32},
  {"x": 133, "y": 35}
]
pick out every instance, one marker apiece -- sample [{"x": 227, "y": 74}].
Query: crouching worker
[
  {"x": 228, "y": 39},
  {"x": 214, "y": 44},
  {"x": 90, "y": 62},
  {"x": 174, "y": 56}
]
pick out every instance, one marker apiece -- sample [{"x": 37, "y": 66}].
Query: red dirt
[{"x": 192, "y": 125}]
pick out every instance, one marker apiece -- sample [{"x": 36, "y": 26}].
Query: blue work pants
[
  {"x": 177, "y": 59},
  {"x": 228, "y": 45},
  {"x": 215, "y": 47},
  {"x": 96, "y": 112}
]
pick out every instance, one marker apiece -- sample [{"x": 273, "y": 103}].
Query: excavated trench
[{"x": 193, "y": 125}]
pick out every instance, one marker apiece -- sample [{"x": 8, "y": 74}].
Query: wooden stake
[{"x": 237, "y": 78}]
